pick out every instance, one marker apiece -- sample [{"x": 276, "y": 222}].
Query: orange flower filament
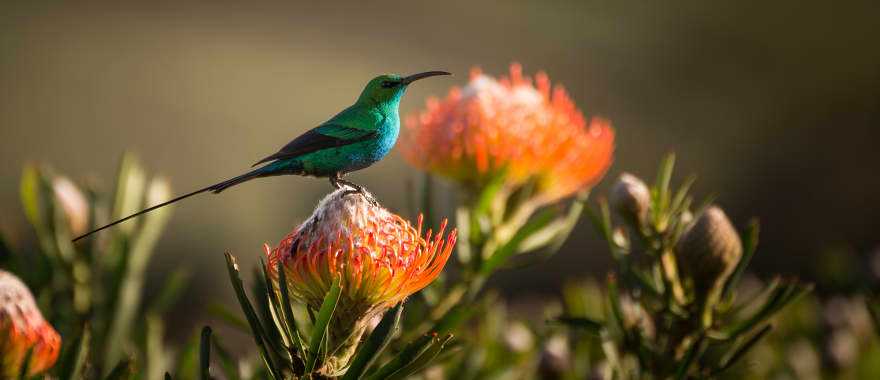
[
  {"x": 529, "y": 131},
  {"x": 23, "y": 329}
]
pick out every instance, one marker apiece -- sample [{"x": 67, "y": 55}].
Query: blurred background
[{"x": 774, "y": 105}]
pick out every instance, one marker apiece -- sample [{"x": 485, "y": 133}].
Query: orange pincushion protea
[
  {"x": 23, "y": 329},
  {"x": 528, "y": 132},
  {"x": 379, "y": 257}
]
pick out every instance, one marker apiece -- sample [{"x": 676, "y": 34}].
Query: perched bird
[{"x": 355, "y": 138}]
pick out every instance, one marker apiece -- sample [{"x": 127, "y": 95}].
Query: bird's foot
[{"x": 356, "y": 189}]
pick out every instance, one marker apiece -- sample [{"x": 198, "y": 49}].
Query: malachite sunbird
[{"x": 355, "y": 138}]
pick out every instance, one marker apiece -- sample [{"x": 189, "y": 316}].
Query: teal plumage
[{"x": 354, "y": 139}]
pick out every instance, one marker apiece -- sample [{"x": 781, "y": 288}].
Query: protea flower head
[
  {"x": 23, "y": 330},
  {"x": 525, "y": 130},
  {"x": 379, "y": 257}
]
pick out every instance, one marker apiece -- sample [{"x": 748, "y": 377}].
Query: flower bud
[
  {"x": 708, "y": 251},
  {"x": 73, "y": 203},
  {"x": 518, "y": 337},
  {"x": 23, "y": 329},
  {"x": 555, "y": 358},
  {"x": 379, "y": 258},
  {"x": 631, "y": 198}
]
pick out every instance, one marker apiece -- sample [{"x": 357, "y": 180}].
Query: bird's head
[{"x": 387, "y": 89}]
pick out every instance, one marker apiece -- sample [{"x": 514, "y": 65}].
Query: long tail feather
[{"x": 215, "y": 188}]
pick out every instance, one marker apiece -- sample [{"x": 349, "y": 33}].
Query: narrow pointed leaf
[
  {"x": 219, "y": 311},
  {"x": 590, "y": 325},
  {"x": 423, "y": 360},
  {"x": 689, "y": 357},
  {"x": 122, "y": 370},
  {"x": 228, "y": 364},
  {"x": 409, "y": 354},
  {"x": 322, "y": 322},
  {"x": 289, "y": 317},
  {"x": 25, "y": 365},
  {"x": 74, "y": 361},
  {"x": 741, "y": 350},
  {"x": 376, "y": 343},
  {"x": 750, "y": 244},
  {"x": 508, "y": 249},
  {"x": 205, "y": 354},
  {"x": 254, "y": 321}
]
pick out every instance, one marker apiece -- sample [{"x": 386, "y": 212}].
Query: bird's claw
[{"x": 360, "y": 191}]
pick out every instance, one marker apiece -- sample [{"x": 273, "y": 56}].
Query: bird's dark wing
[{"x": 322, "y": 137}]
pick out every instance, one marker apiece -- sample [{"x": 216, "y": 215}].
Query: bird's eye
[{"x": 389, "y": 84}]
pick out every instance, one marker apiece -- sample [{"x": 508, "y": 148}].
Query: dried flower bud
[
  {"x": 709, "y": 251},
  {"x": 73, "y": 203},
  {"x": 631, "y": 198},
  {"x": 23, "y": 329}
]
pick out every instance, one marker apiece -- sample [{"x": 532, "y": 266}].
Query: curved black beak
[{"x": 415, "y": 77}]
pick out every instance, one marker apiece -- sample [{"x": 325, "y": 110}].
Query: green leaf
[
  {"x": 171, "y": 290},
  {"x": 230, "y": 318},
  {"x": 489, "y": 194},
  {"x": 592, "y": 326},
  {"x": 322, "y": 322},
  {"x": 678, "y": 201},
  {"x": 188, "y": 358},
  {"x": 251, "y": 316},
  {"x": 455, "y": 317},
  {"x": 168, "y": 376},
  {"x": 228, "y": 364},
  {"x": 661, "y": 187},
  {"x": 570, "y": 221},
  {"x": 378, "y": 340},
  {"x": 32, "y": 194},
  {"x": 691, "y": 355},
  {"x": 289, "y": 317},
  {"x": 750, "y": 244},
  {"x": 508, "y": 249},
  {"x": 74, "y": 361},
  {"x": 437, "y": 345},
  {"x": 26, "y": 364},
  {"x": 735, "y": 354},
  {"x": 131, "y": 181},
  {"x": 271, "y": 309},
  {"x": 409, "y": 354},
  {"x": 37, "y": 200},
  {"x": 614, "y": 304},
  {"x": 131, "y": 287},
  {"x": 122, "y": 370},
  {"x": 779, "y": 296},
  {"x": 205, "y": 354},
  {"x": 155, "y": 352}
]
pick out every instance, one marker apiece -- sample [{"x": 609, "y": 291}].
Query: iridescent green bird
[{"x": 355, "y": 138}]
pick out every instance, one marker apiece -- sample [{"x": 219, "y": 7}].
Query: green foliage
[
  {"x": 662, "y": 324},
  {"x": 652, "y": 318},
  {"x": 91, "y": 292}
]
